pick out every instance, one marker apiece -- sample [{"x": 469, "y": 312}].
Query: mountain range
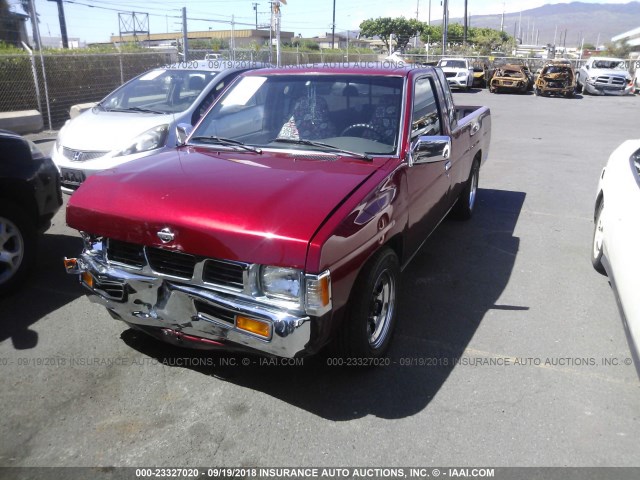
[{"x": 595, "y": 22}]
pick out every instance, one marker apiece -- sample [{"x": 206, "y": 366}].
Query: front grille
[
  {"x": 618, "y": 81},
  {"x": 215, "y": 312},
  {"x": 223, "y": 273},
  {"x": 450, "y": 74},
  {"x": 80, "y": 155},
  {"x": 172, "y": 263},
  {"x": 127, "y": 253}
]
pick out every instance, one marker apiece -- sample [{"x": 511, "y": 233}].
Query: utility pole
[
  {"x": 445, "y": 25},
  {"x": 185, "y": 38},
  {"x": 502, "y": 20},
  {"x": 271, "y": 35},
  {"x": 63, "y": 24},
  {"x": 333, "y": 27},
  {"x": 520, "y": 27},
  {"x": 255, "y": 7},
  {"x": 415, "y": 39},
  {"x": 429, "y": 19},
  {"x": 232, "y": 45},
  {"x": 466, "y": 24}
]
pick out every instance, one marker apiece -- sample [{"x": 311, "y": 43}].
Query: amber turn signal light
[
  {"x": 70, "y": 264},
  {"x": 252, "y": 325},
  {"x": 87, "y": 278}
]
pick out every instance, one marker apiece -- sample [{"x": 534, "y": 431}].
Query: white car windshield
[
  {"x": 159, "y": 91},
  {"x": 356, "y": 113},
  {"x": 609, "y": 64},
  {"x": 452, "y": 64}
]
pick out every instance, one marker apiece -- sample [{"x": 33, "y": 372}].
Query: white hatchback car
[
  {"x": 139, "y": 118},
  {"x": 616, "y": 237}
]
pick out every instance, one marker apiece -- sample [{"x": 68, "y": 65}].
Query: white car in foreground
[
  {"x": 459, "y": 72},
  {"x": 140, "y": 117},
  {"x": 616, "y": 236}
]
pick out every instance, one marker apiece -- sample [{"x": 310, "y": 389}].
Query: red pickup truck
[{"x": 283, "y": 220}]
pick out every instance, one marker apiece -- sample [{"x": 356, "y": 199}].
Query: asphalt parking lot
[{"x": 509, "y": 350}]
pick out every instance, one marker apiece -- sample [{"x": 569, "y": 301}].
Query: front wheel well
[{"x": 599, "y": 200}]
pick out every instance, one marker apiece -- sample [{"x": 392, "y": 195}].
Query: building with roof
[{"x": 632, "y": 38}]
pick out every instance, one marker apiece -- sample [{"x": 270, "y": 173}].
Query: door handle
[{"x": 447, "y": 166}]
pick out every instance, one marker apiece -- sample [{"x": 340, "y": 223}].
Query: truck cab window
[{"x": 425, "y": 119}]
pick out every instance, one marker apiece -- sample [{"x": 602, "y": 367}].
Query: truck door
[
  {"x": 460, "y": 140},
  {"x": 428, "y": 181}
]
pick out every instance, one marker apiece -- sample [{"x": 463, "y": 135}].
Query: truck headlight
[
  {"x": 149, "y": 140},
  {"x": 281, "y": 283},
  {"x": 591, "y": 80}
]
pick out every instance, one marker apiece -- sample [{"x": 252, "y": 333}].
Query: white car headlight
[
  {"x": 149, "y": 140},
  {"x": 462, "y": 74},
  {"x": 281, "y": 283}
]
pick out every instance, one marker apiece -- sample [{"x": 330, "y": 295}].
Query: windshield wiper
[
  {"x": 227, "y": 142},
  {"x": 134, "y": 109},
  {"x": 312, "y": 143}
]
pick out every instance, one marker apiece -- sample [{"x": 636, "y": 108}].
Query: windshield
[
  {"x": 452, "y": 64},
  {"x": 609, "y": 64},
  {"x": 357, "y": 113},
  {"x": 162, "y": 91}
]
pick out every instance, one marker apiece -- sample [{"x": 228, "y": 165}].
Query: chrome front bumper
[{"x": 191, "y": 314}]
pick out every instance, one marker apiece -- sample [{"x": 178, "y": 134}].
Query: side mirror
[
  {"x": 587, "y": 67},
  {"x": 183, "y": 130},
  {"x": 430, "y": 149}
]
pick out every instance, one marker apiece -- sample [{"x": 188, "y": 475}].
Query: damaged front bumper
[
  {"x": 604, "y": 89},
  {"x": 189, "y": 315}
]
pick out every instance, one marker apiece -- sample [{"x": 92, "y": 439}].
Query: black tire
[
  {"x": 371, "y": 317},
  {"x": 18, "y": 240},
  {"x": 579, "y": 88},
  {"x": 596, "y": 243},
  {"x": 463, "y": 209}
]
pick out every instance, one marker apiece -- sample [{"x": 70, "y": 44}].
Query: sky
[{"x": 96, "y": 20}]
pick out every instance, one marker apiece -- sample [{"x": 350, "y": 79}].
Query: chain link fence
[{"x": 51, "y": 84}]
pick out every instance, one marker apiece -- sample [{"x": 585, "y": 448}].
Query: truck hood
[
  {"x": 596, "y": 72},
  {"x": 228, "y": 205},
  {"x": 99, "y": 130}
]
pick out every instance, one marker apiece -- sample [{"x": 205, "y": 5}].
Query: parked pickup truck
[
  {"x": 604, "y": 76},
  {"x": 283, "y": 221}
]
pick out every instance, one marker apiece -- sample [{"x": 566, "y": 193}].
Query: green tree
[
  {"x": 619, "y": 49},
  {"x": 384, "y": 27}
]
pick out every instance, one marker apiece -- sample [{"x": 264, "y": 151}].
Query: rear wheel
[
  {"x": 367, "y": 331},
  {"x": 17, "y": 246},
  {"x": 463, "y": 209},
  {"x": 598, "y": 238}
]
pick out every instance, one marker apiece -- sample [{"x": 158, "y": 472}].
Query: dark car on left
[{"x": 30, "y": 196}]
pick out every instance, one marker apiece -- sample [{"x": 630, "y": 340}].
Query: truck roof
[{"x": 381, "y": 68}]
